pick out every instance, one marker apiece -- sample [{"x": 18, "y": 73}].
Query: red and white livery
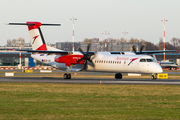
[{"x": 117, "y": 62}]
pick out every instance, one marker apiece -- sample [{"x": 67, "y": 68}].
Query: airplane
[
  {"x": 116, "y": 62},
  {"x": 170, "y": 65}
]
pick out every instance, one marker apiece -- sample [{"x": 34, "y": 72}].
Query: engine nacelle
[{"x": 69, "y": 59}]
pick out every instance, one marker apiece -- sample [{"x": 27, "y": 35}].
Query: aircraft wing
[
  {"x": 90, "y": 52},
  {"x": 49, "y": 52},
  {"x": 158, "y": 51}
]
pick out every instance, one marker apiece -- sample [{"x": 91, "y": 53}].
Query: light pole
[
  {"x": 105, "y": 39},
  {"x": 20, "y": 66},
  {"x": 164, "y": 39},
  {"x": 73, "y": 31},
  {"x": 125, "y": 32}
]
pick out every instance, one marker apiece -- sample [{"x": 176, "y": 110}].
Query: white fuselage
[{"x": 106, "y": 62}]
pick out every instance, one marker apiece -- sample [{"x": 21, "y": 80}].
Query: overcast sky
[{"x": 141, "y": 18}]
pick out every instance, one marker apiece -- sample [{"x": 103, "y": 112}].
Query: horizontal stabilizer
[{"x": 34, "y": 23}]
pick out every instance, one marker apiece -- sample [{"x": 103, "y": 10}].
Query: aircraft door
[{"x": 124, "y": 65}]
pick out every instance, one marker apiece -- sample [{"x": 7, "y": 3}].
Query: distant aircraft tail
[{"x": 36, "y": 36}]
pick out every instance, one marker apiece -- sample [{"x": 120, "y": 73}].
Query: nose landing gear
[{"x": 154, "y": 76}]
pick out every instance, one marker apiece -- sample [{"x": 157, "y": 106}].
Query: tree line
[{"x": 174, "y": 43}]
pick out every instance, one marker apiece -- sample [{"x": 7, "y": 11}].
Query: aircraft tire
[
  {"x": 153, "y": 77},
  {"x": 69, "y": 76},
  {"x": 65, "y": 76},
  {"x": 118, "y": 76}
]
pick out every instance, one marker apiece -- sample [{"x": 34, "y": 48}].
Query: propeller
[
  {"x": 86, "y": 57},
  {"x": 134, "y": 49},
  {"x": 141, "y": 48}
]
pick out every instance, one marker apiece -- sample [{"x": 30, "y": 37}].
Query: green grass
[{"x": 88, "y": 101}]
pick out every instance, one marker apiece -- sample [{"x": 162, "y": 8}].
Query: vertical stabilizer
[
  {"x": 37, "y": 39},
  {"x": 36, "y": 36}
]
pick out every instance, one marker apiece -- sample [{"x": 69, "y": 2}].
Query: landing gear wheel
[
  {"x": 67, "y": 76},
  {"x": 154, "y": 76},
  {"x": 118, "y": 76}
]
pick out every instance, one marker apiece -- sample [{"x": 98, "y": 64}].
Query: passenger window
[
  {"x": 149, "y": 60},
  {"x": 142, "y": 60}
]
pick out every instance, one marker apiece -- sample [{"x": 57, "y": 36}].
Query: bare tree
[
  {"x": 134, "y": 40},
  {"x": 161, "y": 43},
  {"x": 151, "y": 46}
]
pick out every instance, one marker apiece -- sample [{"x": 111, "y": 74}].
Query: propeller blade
[
  {"x": 88, "y": 48},
  {"x": 92, "y": 64},
  {"x": 134, "y": 49},
  {"x": 80, "y": 59},
  {"x": 79, "y": 48},
  {"x": 85, "y": 65},
  {"x": 142, "y": 46}
]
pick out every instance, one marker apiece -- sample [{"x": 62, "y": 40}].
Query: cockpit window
[
  {"x": 142, "y": 60},
  {"x": 149, "y": 60}
]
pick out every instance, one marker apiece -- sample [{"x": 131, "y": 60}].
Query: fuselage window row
[{"x": 107, "y": 61}]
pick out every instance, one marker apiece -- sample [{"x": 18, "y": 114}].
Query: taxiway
[{"x": 90, "y": 81}]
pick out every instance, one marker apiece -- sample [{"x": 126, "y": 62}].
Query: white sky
[{"x": 141, "y": 18}]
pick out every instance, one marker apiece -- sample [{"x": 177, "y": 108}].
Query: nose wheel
[{"x": 154, "y": 76}]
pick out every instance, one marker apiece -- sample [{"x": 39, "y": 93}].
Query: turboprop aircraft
[{"x": 117, "y": 62}]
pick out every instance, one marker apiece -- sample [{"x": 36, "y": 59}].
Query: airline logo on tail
[{"x": 35, "y": 38}]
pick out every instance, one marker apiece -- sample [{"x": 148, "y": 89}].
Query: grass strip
[{"x": 88, "y": 101}]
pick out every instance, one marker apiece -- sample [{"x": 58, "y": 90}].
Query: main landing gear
[
  {"x": 154, "y": 76},
  {"x": 118, "y": 76},
  {"x": 67, "y": 75}
]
